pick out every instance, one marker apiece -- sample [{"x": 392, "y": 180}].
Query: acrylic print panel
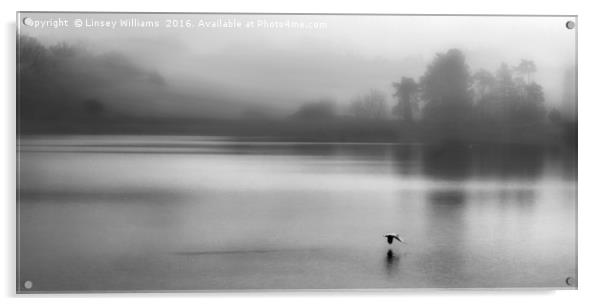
[{"x": 161, "y": 152}]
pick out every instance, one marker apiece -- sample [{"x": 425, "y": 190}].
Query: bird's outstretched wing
[{"x": 399, "y": 239}]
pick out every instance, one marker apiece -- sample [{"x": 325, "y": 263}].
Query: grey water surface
[{"x": 122, "y": 213}]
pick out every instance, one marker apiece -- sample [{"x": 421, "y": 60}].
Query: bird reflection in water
[{"x": 392, "y": 263}]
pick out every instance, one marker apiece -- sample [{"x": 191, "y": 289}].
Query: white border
[{"x": 590, "y": 111}]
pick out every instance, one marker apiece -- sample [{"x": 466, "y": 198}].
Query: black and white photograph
[{"x": 168, "y": 152}]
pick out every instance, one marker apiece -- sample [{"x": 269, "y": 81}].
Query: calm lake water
[{"x": 187, "y": 213}]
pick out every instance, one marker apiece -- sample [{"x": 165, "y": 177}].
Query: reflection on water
[
  {"x": 451, "y": 197},
  {"x": 165, "y": 212},
  {"x": 392, "y": 263}
]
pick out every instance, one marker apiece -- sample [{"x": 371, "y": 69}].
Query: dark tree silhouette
[
  {"x": 459, "y": 106},
  {"x": 532, "y": 99},
  {"x": 483, "y": 83},
  {"x": 32, "y": 55},
  {"x": 526, "y": 68},
  {"x": 405, "y": 92},
  {"x": 446, "y": 89},
  {"x": 506, "y": 99},
  {"x": 504, "y": 83}
]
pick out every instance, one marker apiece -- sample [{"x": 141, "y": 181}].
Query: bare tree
[{"x": 370, "y": 106}]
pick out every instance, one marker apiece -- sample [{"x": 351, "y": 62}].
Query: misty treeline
[
  {"x": 450, "y": 95},
  {"x": 68, "y": 83},
  {"x": 66, "y": 89},
  {"x": 449, "y": 102}
]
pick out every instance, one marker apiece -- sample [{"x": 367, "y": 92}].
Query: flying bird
[{"x": 391, "y": 236}]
